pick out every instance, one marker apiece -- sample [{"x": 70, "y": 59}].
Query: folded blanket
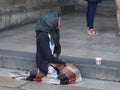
[{"x": 57, "y": 74}]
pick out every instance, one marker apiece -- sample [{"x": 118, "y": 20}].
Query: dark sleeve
[
  {"x": 47, "y": 52},
  {"x": 59, "y": 13},
  {"x": 57, "y": 49}
]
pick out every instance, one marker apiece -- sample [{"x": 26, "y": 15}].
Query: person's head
[{"x": 48, "y": 22}]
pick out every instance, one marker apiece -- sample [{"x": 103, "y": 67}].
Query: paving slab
[
  {"x": 35, "y": 86},
  {"x": 86, "y": 84}
]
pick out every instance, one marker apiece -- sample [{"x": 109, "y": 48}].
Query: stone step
[{"x": 108, "y": 70}]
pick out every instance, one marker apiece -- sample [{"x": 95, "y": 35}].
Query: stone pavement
[
  {"x": 75, "y": 42},
  {"x": 86, "y": 84}
]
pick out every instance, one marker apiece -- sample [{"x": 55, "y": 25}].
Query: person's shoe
[
  {"x": 39, "y": 77},
  {"x": 93, "y": 32}
]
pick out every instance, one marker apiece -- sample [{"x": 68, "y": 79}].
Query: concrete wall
[
  {"x": 107, "y": 7},
  {"x": 18, "y": 12}
]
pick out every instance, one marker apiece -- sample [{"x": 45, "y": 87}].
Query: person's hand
[
  {"x": 59, "y": 22},
  {"x": 55, "y": 55}
]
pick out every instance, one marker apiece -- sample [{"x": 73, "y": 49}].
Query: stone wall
[
  {"x": 107, "y": 7},
  {"x": 18, "y": 12}
]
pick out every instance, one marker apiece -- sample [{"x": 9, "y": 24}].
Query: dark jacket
[
  {"x": 94, "y": 0},
  {"x": 47, "y": 24},
  {"x": 45, "y": 56}
]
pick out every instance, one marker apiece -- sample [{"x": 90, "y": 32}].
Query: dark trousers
[{"x": 90, "y": 14}]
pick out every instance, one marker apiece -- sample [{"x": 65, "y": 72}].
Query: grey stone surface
[
  {"x": 19, "y": 60},
  {"x": 73, "y": 34},
  {"x": 100, "y": 72},
  {"x": 85, "y": 84},
  {"x": 19, "y": 12},
  {"x": 9, "y": 88},
  {"x": 77, "y": 46},
  {"x": 109, "y": 70},
  {"x": 99, "y": 84},
  {"x": 35, "y": 86},
  {"x": 107, "y": 7}
]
